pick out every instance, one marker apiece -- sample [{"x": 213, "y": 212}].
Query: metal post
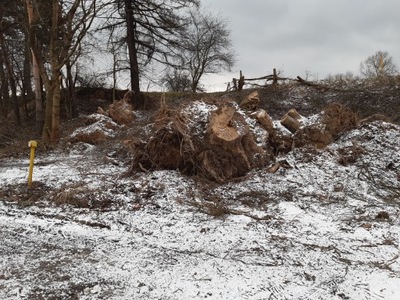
[{"x": 32, "y": 145}]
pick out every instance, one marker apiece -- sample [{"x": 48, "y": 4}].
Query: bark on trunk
[
  {"x": 55, "y": 112},
  {"x": 11, "y": 79},
  {"x": 46, "y": 131},
  {"x": 4, "y": 95},
  {"x": 54, "y": 109},
  {"x": 133, "y": 59},
  {"x": 39, "y": 114},
  {"x": 70, "y": 100},
  {"x": 27, "y": 91}
]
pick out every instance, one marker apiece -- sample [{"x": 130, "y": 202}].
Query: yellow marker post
[{"x": 32, "y": 145}]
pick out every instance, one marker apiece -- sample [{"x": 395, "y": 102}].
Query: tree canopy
[
  {"x": 45, "y": 38},
  {"x": 205, "y": 47},
  {"x": 379, "y": 64},
  {"x": 150, "y": 31}
]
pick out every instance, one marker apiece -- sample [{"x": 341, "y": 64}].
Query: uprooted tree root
[
  {"x": 224, "y": 149},
  {"x": 338, "y": 119}
]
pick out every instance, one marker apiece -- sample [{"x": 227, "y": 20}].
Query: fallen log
[
  {"x": 265, "y": 120},
  {"x": 294, "y": 114},
  {"x": 290, "y": 123},
  {"x": 310, "y": 83}
]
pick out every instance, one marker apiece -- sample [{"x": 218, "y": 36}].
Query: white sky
[{"x": 318, "y": 36}]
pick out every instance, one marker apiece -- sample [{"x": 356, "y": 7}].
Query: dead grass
[
  {"x": 121, "y": 112},
  {"x": 24, "y": 195},
  {"x": 14, "y": 139},
  {"x": 254, "y": 199},
  {"x": 80, "y": 196},
  {"x": 214, "y": 209}
]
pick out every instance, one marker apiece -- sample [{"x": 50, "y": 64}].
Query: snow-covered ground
[{"x": 325, "y": 227}]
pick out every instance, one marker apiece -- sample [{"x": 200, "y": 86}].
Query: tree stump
[
  {"x": 218, "y": 145},
  {"x": 251, "y": 101},
  {"x": 231, "y": 149}
]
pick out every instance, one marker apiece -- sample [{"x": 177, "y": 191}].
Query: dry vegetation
[{"x": 174, "y": 144}]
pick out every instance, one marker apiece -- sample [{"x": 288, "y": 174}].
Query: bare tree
[
  {"x": 9, "y": 29},
  {"x": 69, "y": 23},
  {"x": 379, "y": 64},
  {"x": 206, "y": 47},
  {"x": 33, "y": 20},
  {"x": 177, "y": 80},
  {"x": 151, "y": 31},
  {"x": 10, "y": 75}
]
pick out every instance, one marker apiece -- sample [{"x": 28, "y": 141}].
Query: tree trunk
[
  {"x": 55, "y": 112},
  {"x": 39, "y": 114},
  {"x": 70, "y": 88},
  {"x": 4, "y": 96},
  {"x": 251, "y": 101},
  {"x": 231, "y": 148},
  {"x": 195, "y": 83},
  {"x": 53, "y": 108},
  {"x": 291, "y": 124},
  {"x": 114, "y": 74},
  {"x": 11, "y": 79},
  {"x": 266, "y": 121},
  {"x": 38, "y": 94},
  {"x": 133, "y": 60},
  {"x": 27, "y": 91},
  {"x": 46, "y": 131}
]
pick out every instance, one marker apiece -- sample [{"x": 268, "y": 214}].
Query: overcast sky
[{"x": 320, "y": 37}]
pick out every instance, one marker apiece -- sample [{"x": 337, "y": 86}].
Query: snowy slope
[{"x": 325, "y": 227}]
